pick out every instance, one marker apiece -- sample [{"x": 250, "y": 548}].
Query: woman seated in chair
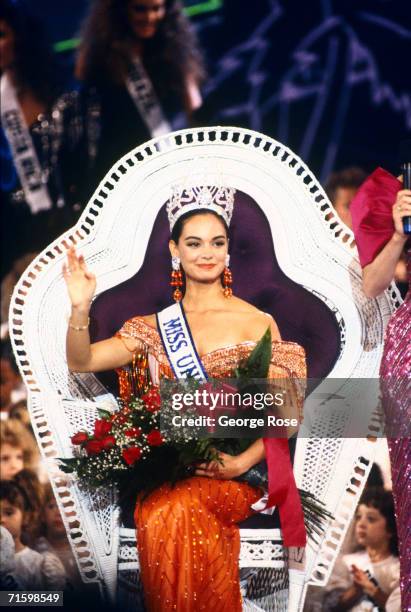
[{"x": 188, "y": 538}]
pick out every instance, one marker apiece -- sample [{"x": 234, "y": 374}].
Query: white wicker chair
[{"x": 113, "y": 240}]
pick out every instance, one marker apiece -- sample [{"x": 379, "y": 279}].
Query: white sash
[
  {"x": 178, "y": 343},
  {"x": 21, "y": 144},
  {"x": 142, "y": 93}
]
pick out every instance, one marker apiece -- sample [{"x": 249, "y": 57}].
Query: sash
[
  {"x": 282, "y": 491},
  {"x": 178, "y": 343},
  {"x": 142, "y": 93},
  {"x": 22, "y": 148}
]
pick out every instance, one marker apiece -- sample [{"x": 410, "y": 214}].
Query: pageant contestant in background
[
  {"x": 377, "y": 212},
  {"x": 140, "y": 64},
  {"x": 39, "y": 130},
  {"x": 189, "y": 558}
]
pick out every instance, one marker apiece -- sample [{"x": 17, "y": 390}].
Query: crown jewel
[{"x": 186, "y": 199}]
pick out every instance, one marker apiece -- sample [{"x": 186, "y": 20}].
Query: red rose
[
  {"x": 131, "y": 454},
  {"x": 154, "y": 438},
  {"x": 107, "y": 442},
  {"x": 94, "y": 447},
  {"x": 79, "y": 437},
  {"x": 101, "y": 428},
  {"x": 152, "y": 400},
  {"x": 133, "y": 432}
]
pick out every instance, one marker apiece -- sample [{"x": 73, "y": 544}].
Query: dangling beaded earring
[
  {"x": 227, "y": 279},
  {"x": 176, "y": 279}
]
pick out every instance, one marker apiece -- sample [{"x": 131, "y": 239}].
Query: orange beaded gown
[{"x": 187, "y": 536}]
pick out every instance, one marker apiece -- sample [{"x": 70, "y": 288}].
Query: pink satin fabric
[{"x": 371, "y": 211}]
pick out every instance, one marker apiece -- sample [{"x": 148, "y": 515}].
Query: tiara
[{"x": 185, "y": 199}]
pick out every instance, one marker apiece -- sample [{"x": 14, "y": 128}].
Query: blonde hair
[
  {"x": 19, "y": 412},
  {"x": 14, "y": 433}
]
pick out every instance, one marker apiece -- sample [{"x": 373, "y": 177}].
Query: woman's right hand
[
  {"x": 401, "y": 208},
  {"x": 81, "y": 283}
]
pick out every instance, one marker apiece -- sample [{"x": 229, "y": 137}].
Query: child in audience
[
  {"x": 8, "y": 581},
  {"x": 28, "y": 481},
  {"x": 18, "y": 449},
  {"x": 368, "y": 580},
  {"x": 19, "y": 412},
  {"x": 54, "y": 536},
  {"x": 34, "y": 570}
]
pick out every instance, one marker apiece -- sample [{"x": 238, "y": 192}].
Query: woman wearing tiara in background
[
  {"x": 377, "y": 211},
  {"x": 188, "y": 538}
]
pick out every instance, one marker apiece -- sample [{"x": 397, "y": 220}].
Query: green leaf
[
  {"x": 68, "y": 465},
  {"x": 258, "y": 362},
  {"x": 103, "y": 414}
]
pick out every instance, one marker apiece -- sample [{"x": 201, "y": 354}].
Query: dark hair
[
  {"x": 28, "y": 480},
  {"x": 351, "y": 177},
  {"x": 6, "y": 353},
  {"x": 382, "y": 500},
  {"x": 178, "y": 227},
  {"x": 375, "y": 477},
  {"x": 170, "y": 55},
  {"x": 34, "y": 62},
  {"x": 17, "y": 497},
  {"x": 14, "y": 494}
]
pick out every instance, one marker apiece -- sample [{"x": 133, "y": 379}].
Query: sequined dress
[
  {"x": 187, "y": 536},
  {"x": 395, "y": 375},
  {"x": 373, "y": 227}
]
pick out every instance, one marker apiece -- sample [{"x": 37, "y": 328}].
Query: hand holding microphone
[{"x": 402, "y": 207}]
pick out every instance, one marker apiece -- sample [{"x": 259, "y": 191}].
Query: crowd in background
[{"x": 78, "y": 135}]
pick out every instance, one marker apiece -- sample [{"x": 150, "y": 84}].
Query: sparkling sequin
[
  {"x": 192, "y": 574},
  {"x": 396, "y": 393}
]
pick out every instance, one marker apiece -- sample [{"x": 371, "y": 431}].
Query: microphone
[{"x": 405, "y": 163}]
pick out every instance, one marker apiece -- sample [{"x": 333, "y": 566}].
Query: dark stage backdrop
[{"x": 330, "y": 78}]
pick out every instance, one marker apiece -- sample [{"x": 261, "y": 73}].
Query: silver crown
[{"x": 186, "y": 199}]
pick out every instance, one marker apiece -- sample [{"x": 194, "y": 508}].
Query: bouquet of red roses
[
  {"x": 119, "y": 441},
  {"x": 127, "y": 448}
]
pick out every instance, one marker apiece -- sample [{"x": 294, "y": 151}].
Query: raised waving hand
[
  {"x": 80, "y": 282},
  {"x": 81, "y": 355}
]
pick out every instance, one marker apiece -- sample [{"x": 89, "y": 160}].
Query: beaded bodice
[{"x": 287, "y": 358}]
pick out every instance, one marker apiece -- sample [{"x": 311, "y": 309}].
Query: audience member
[
  {"x": 341, "y": 187},
  {"x": 12, "y": 388},
  {"x": 369, "y": 578},
  {"x": 7, "y": 286},
  {"x": 19, "y": 412},
  {"x": 36, "y": 571},
  {"x": 38, "y": 180},
  {"x": 29, "y": 482},
  {"x": 18, "y": 449},
  {"x": 8, "y": 579},
  {"x": 54, "y": 537}
]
